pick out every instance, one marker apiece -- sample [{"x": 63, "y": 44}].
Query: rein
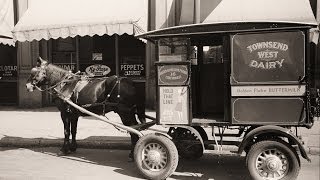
[{"x": 53, "y": 86}]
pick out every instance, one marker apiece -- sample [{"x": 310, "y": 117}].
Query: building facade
[
  {"x": 118, "y": 54},
  {"x": 122, "y": 55}
]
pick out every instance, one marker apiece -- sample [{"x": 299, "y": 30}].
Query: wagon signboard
[
  {"x": 172, "y": 75},
  {"x": 268, "y": 57},
  {"x": 173, "y": 105}
]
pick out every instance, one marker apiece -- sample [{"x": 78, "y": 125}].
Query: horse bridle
[{"x": 43, "y": 70}]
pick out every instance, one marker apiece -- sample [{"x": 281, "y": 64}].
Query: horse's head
[{"x": 38, "y": 75}]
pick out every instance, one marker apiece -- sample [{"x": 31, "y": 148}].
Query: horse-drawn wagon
[{"x": 254, "y": 78}]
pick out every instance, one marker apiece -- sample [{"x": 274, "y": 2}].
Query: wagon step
[{"x": 143, "y": 126}]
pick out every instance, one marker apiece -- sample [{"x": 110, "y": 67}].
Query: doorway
[{"x": 208, "y": 76}]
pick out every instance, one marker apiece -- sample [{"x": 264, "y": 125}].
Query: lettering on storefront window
[
  {"x": 68, "y": 67},
  {"x": 132, "y": 69},
  {"x": 8, "y": 72}
]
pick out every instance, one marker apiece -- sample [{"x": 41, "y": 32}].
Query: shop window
[
  {"x": 64, "y": 53},
  {"x": 131, "y": 56},
  {"x": 97, "y": 55}
]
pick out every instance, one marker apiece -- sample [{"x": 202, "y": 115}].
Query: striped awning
[
  {"x": 6, "y": 22},
  {"x": 46, "y": 19},
  {"x": 284, "y": 11}
]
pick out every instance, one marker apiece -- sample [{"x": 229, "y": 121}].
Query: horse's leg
[
  {"x": 128, "y": 118},
  {"x": 74, "y": 124},
  {"x": 66, "y": 124}
]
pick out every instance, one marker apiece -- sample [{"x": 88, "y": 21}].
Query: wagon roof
[{"x": 246, "y": 15}]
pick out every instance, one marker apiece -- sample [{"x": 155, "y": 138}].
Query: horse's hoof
[
  {"x": 63, "y": 152},
  {"x": 73, "y": 148}
]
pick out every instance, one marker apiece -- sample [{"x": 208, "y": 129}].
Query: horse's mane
[{"x": 55, "y": 73}]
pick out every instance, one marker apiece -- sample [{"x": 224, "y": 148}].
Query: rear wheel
[
  {"x": 187, "y": 143},
  {"x": 275, "y": 160},
  {"x": 156, "y": 156}
]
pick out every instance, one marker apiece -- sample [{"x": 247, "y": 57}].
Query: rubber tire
[
  {"x": 282, "y": 146},
  {"x": 202, "y": 133},
  {"x": 166, "y": 143}
]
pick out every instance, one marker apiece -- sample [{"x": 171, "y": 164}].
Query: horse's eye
[{"x": 34, "y": 71}]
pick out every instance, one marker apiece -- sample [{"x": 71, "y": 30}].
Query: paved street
[{"x": 43, "y": 163}]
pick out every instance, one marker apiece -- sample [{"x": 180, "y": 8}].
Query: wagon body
[{"x": 254, "y": 78}]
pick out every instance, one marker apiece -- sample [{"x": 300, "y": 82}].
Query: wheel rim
[
  {"x": 272, "y": 164},
  {"x": 154, "y": 157}
]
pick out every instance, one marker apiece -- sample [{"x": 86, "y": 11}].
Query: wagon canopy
[
  {"x": 6, "y": 22},
  {"x": 47, "y": 19},
  {"x": 246, "y": 15}
]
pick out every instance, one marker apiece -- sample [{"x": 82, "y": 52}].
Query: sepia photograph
[{"x": 159, "y": 89}]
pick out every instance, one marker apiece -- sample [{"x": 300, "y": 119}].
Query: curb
[
  {"x": 122, "y": 143},
  {"x": 18, "y": 142}
]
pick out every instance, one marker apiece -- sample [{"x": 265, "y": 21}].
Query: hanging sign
[
  {"x": 98, "y": 70},
  {"x": 271, "y": 57},
  {"x": 172, "y": 75},
  {"x": 173, "y": 105}
]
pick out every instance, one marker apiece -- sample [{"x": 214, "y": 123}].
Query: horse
[{"x": 99, "y": 95}]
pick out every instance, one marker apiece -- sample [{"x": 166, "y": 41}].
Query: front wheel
[
  {"x": 156, "y": 156},
  {"x": 272, "y": 160}
]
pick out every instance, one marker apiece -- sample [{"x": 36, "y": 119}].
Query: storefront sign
[
  {"x": 97, "y": 56},
  {"x": 272, "y": 57},
  {"x": 132, "y": 69},
  {"x": 285, "y": 90},
  {"x": 172, "y": 75},
  {"x": 67, "y": 66},
  {"x": 173, "y": 105},
  {"x": 98, "y": 70},
  {"x": 8, "y": 72}
]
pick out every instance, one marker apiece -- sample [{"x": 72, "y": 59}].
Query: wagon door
[{"x": 267, "y": 78}]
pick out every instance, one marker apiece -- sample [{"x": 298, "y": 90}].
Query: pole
[
  {"x": 116, "y": 44},
  {"x": 196, "y": 16}
]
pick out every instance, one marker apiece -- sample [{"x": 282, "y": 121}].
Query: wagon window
[
  {"x": 212, "y": 55},
  {"x": 173, "y": 49}
]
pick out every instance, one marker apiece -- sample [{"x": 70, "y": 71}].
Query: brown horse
[{"x": 98, "y": 95}]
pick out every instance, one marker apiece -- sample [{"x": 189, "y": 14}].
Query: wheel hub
[
  {"x": 154, "y": 156},
  {"x": 272, "y": 163}
]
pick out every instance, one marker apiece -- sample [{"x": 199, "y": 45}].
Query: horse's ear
[{"x": 40, "y": 62}]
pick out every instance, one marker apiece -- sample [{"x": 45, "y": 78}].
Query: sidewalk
[{"x": 43, "y": 128}]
